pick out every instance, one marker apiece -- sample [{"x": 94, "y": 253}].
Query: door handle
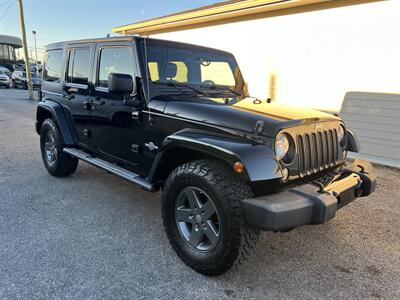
[
  {"x": 87, "y": 105},
  {"x": 70, "y": 93},
  {"x": 68, "y": 97},
  {"x": 97, "y": 102}
]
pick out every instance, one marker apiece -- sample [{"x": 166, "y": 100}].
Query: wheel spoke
[
  {"x": 208, "y": 209},
  {"x": 184, "y": 215},
  {"x": 195, "y": 237},
  {"x": 193, "y": 198},
  {"x": 211, "y": 232}
]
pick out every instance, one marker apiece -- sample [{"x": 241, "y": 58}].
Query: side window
[
  {"x": 70, "y": 64},
  {"x": 78, "y": 66},
  {"x": 114, "y": 60},
  {"x": 153, "y": 70},
  {"x": 52, "y": 67}
]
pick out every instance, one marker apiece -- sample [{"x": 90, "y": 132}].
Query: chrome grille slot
[
  {"x": 300, "y": 155},
  {"x": 307, "y": 153},
  {"x": 317, "y": 151}
]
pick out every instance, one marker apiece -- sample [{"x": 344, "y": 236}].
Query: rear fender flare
[{"x": 57, "y": 113}]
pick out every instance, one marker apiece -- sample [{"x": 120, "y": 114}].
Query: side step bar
[{"x": 112, "y": 168}]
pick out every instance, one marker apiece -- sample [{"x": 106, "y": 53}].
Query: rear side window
[
  {"x": 52, "y": 67},
  {"x": 114, "y": 60},
  {"x": 78, "y": 66}
]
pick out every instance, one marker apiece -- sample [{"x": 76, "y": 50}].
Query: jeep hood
[{"x": 244, "y": 115}]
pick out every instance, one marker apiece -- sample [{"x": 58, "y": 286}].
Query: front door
[
  {"x": 76, "y": 92},
  {"x": 116, "y": 130}
]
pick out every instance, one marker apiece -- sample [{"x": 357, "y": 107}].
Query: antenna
[{"x": 147, "y": 75}]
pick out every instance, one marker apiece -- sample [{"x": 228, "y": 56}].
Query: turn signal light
[{"x": 238, "y": 167}]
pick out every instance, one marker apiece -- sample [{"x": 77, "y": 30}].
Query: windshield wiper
[
  {"x": 180, "y": 84},
  {"x": 221, "y": 87}
]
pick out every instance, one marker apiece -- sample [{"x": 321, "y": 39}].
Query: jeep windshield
[{"x": 176, "y": 69}]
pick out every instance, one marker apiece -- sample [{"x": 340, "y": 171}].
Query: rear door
[
  {"x": 76, "y": 91},
  {"x": 116, "y": 130}
]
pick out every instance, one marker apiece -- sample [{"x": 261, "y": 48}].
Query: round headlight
[
  {"x": 341, "y": 135},
  {"x": 281, "y": 146}
]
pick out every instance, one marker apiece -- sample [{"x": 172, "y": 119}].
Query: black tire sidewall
[
  {"x": 46, "y": 127},
  {"x": 220, "y": 258}
]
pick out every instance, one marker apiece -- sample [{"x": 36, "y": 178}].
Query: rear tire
[
  {"x": 57, "y": 162},
  {"x": 231, "y": 239}
]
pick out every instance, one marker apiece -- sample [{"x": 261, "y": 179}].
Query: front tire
[
  {"x": 201, "y": 209},
  {"x": 57, "y": 162}
]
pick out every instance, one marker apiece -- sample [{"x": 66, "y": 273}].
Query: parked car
[
  {"x": 18, "y": 67},
  {"x": 5, "y": 81},
  {"x": 19, "y": 80},
  {"x": 5, "y": 71},
  {"x": 179, "y": 118}
]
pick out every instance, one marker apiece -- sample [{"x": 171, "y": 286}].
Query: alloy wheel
[
  {"x": 197, "y": 219},
  {"x": 50, "y": 148}
]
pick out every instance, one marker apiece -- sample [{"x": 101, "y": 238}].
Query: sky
[{"x": 60, "y": 20}]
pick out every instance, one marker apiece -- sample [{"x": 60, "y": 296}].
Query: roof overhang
[
  {"x": 227, "y": 12},
  {"x": 11, "y": 40}
]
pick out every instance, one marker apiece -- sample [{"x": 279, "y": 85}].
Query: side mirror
[{"x": 120, "y": 83}]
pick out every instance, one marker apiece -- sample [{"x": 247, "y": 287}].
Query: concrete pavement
[{"x": 93, "y": 235}]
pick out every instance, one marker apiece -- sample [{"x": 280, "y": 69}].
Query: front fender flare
[
  {"x": 259, "y": 160},
  {"x": 353, "y": 144},
  {"x": 58, "y": 115}
]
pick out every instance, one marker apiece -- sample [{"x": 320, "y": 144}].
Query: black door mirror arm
[{"x": 133, "y": 100}]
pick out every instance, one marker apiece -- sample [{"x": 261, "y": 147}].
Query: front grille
[{"x": 317, "y": 151}]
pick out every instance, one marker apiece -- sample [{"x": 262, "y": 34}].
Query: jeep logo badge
[{"x": 318, "y": 127}]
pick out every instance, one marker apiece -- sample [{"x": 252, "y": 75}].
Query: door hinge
[
  {"x": 135, "y": 115},
  {"x": 87, "y": 132},
  {"x": 135, "y": 148}
]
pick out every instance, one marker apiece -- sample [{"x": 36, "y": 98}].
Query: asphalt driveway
[{"x": 93, "y": 235}]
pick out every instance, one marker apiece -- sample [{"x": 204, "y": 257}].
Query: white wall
[
  {"x": 315, "y": 57},
  {"x": 374, "y": 118}
]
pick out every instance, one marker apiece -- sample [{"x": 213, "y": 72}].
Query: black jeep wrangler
[{"x": 178, "y": 117}]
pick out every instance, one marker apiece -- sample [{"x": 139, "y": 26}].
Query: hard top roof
[{"x": 126, "y": 38}]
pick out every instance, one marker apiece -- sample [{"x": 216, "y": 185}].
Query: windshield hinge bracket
[{"x": 259, "y": 128}]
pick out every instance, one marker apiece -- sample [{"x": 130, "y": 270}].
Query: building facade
[
  {"x": 336, "y": 56},
  {"x": 8, "y": 46}
]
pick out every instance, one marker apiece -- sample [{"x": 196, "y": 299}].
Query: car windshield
[
  {"x": 33, "y": 75},
  {"x": 180, "y": 69}
]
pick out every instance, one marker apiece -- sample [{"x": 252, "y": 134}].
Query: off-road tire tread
[
  {"x": 66, "y": 164},
  {"x": 235, "y": 190}
]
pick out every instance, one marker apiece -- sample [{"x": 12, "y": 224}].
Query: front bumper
[{"x": 311, "y": 203}]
